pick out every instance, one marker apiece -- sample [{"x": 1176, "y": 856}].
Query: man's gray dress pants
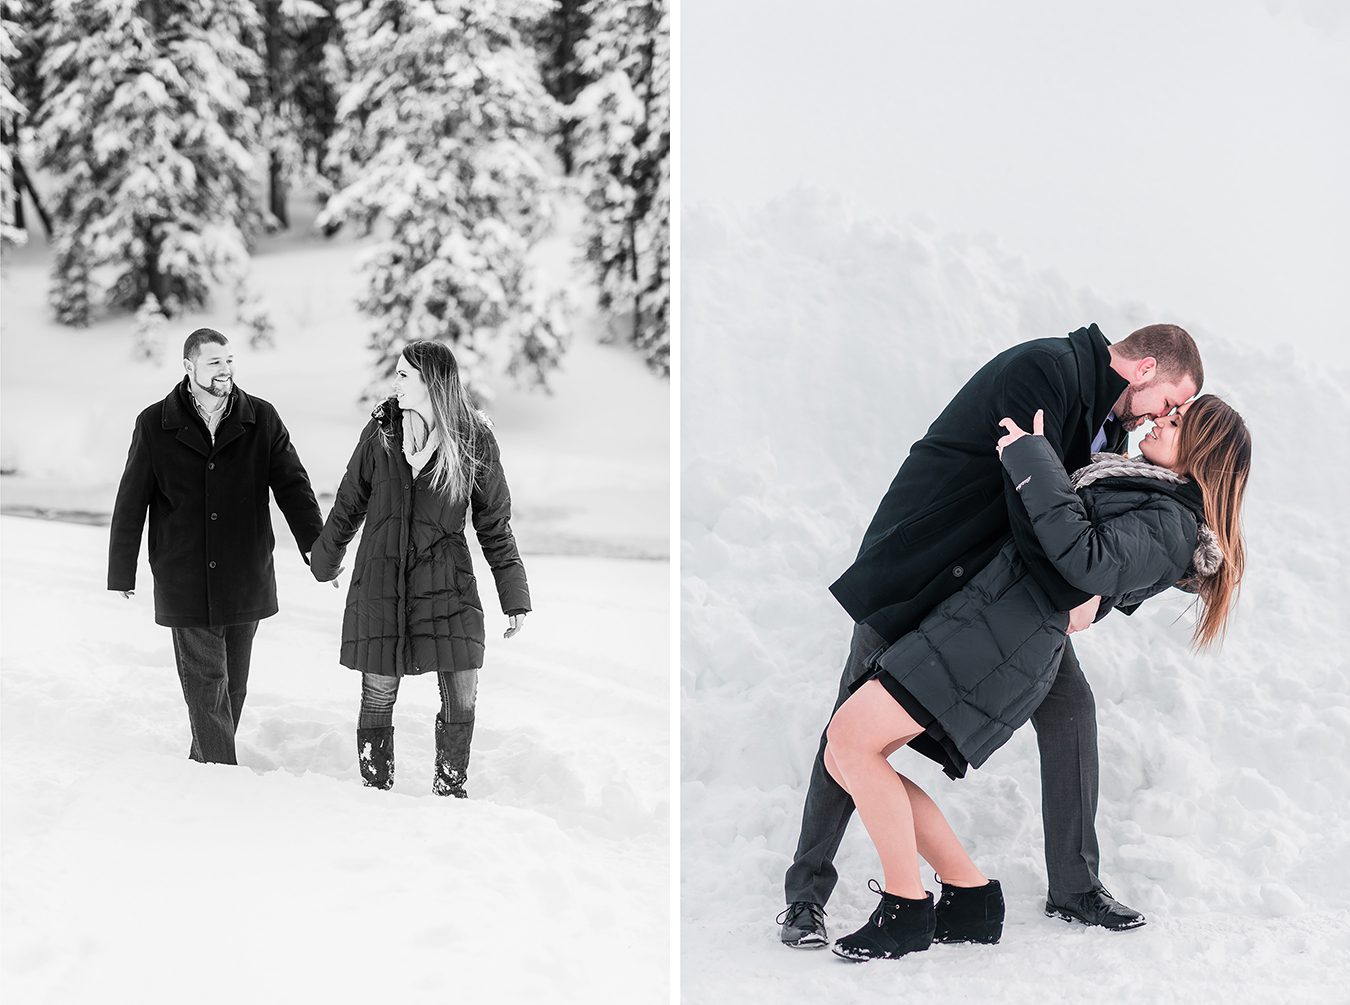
[{"x": 1066, "y": 733}]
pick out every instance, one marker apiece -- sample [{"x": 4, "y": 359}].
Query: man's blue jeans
[{"x": 213, "y": 669}]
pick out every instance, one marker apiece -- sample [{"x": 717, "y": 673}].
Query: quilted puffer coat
[
  {"x": 413, "y": 604},
  {"x": 982, "y": 661}
]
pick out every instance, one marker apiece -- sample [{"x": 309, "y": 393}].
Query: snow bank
[
  {"x": 817, "y": 346},
  {"x": 128, "y": 867}
]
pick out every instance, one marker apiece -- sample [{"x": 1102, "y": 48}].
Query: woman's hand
[
  {"x": 1016, "y": 432},
  {"x": 517, "y": 623},
  {"x": 1082, "y": 616}
]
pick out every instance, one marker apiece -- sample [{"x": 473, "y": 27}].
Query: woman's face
[
  {"x": 410, "y": 390},
  {"x": 1160, "y": 445}
]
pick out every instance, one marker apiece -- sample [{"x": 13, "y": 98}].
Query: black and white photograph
[{"x": 335, "y": 485}]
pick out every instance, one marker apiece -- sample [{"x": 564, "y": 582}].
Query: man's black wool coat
[
  {"x": 951, "y": 506},
  {"x": 211, "y": 535}
]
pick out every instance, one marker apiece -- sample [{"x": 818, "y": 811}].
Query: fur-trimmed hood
[{"x": 1207, "y": 557}]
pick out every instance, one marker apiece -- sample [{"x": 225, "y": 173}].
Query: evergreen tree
[
  {"x": 298, "y": 99},
  {"x": 557, "y": 37},
  {"x": 148, "y": 134},
  {"x": 438, "y": 144},
  {"x": 623, "y": 151},
  {"x": 11, "y": 113}
]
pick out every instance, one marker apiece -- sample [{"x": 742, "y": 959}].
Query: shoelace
[{"x": 793, "y": 910}]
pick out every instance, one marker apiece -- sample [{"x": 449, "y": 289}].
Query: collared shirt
[
  {"x": 213, "y": 418},
  {"x": 1099, "y": 441}
]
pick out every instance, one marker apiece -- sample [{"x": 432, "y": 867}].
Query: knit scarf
[{"x": 417, "y": 459}]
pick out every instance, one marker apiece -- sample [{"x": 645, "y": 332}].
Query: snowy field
[
  {"x": 823, "y": 346},
  {"x": 130, "y": 872}
]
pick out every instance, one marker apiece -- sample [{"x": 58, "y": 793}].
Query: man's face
[
  {"x": 213, "y": 368},
  {"x": 1150, "y": 396}
]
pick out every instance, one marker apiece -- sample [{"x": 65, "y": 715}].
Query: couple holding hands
[{"x": 202, "y": 463}]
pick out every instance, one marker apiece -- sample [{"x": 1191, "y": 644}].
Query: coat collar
[
  {"x": 1092, "y": 352},
  {"x": 179, "y": 413}
]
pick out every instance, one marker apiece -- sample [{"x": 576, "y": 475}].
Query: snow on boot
[
  {"x": 970, "y": 914},
  {"x": 375, "y": 755},
  {"x": 898, "y": 926},
  {"x": 452, "y": 758}
]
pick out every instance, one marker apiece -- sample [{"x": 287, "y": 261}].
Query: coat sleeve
[
  {"x": 290, "y": 486},
  {"x": 1031, "y": 383},
  {"x": 491, "y": 507},
  {"x": 1131, "y": 552},
  {"x": 128, "y": 516},
  {"x": 349, "y": 510}
]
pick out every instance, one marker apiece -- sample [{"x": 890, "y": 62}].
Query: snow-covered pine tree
[
  {"x": 623, "y": 151},
  {"x": 11, "y": 113},
  {"x": 438, "y": 143},
  {"x": 556, "y": 37},
  {"x": 148, "y": 134}
]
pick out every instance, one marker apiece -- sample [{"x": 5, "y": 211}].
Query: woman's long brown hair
[
  {"x": 1215, "y": 449},
  {"x": 462, "y": 429}
]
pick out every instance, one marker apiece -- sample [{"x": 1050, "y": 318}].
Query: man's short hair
[
  {"x": 1173, "y": 348},
  {"x": 199, "y": 338}
]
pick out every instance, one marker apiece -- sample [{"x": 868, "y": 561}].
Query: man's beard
[
  {"x": 1124, "y": 411},
  {"x": 217, "y": 389}
]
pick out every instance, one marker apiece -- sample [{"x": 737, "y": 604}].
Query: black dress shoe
[
  {"x": 803, "y": 925},
  {"x": 1096, "y": 907}
]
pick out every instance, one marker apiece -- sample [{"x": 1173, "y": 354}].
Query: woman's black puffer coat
[
  {"x": 413, "y": 603},
  {"x": 982, "y": 661}
]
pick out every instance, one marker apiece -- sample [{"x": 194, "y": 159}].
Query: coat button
[
  {"x": 213, "y": 516},
  {"x": 210, "y": 565},
  {"x": 958, "y": 572},
  {"x": 211, "y": 466}
]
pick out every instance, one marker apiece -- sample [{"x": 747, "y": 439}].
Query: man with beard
[
  {"x": 947, "y": 512},
  {"x": 202, "y": 462}
]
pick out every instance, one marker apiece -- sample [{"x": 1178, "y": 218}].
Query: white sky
[{"x": 1192, "y": 156}]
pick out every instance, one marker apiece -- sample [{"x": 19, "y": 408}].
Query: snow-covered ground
[
  {"x": 816, "y": 347},
  {"x": 130, "y": 872}
]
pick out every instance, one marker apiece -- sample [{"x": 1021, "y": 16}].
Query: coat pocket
[{"x": 941, "y": 515}]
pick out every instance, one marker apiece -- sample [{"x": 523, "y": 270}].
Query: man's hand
[
  {"x": 517, "y": 623},
  {"x": 1083, "y": 615},
  {"x": 1016, "y": 432},
  {"x": 127, "y": 593}
]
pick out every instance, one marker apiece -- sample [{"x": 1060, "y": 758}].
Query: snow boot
[
  {"x": 375, "y": 755},
  {"x": 452, "y": 758},
  {"x": 898, "y": 926},
  {"x": 970, "y": 914}
]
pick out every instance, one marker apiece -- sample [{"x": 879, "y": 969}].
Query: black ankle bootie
[
  {"x": 898, "y": 926},
  {"x": 375, "y": 755},
  {"x": 970, "y": 914}
]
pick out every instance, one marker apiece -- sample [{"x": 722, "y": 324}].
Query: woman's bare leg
[
  {"x": 931, "y": 835},
  {"x": 867, "y": 727},
  {"x": 937, "y": 842}
]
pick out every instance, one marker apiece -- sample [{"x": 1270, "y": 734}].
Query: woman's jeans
[{"x": 459, "y": 694}]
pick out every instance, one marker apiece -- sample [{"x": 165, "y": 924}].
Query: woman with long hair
[
  {"x": 425, "y": 462},
  {"x": 979, "y": 664}
]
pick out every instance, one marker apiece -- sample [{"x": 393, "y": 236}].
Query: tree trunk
[
  {"x": 277, "y": 190},
  {"x": 21, "y": 183},
  {"x": 275, "y": 174},
  {"x": 156, "y": 280}
]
